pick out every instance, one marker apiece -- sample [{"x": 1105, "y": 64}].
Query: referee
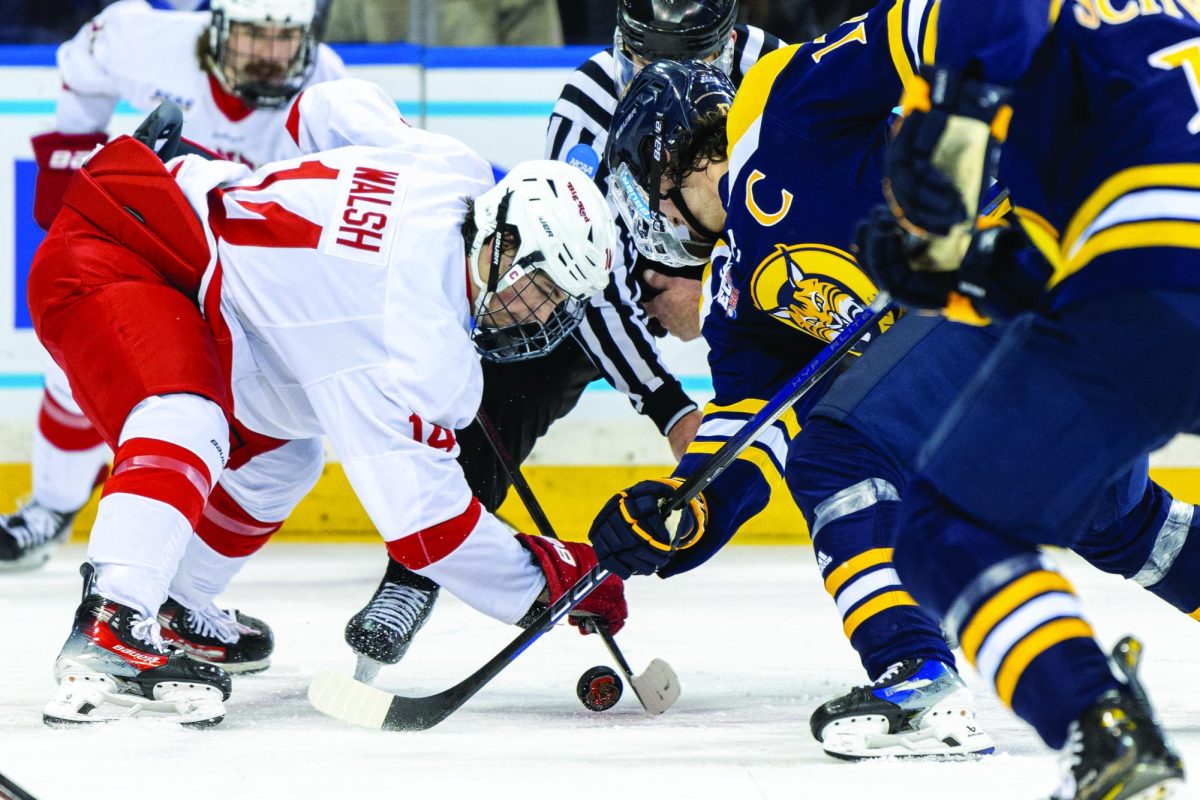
[{"x": 614, "y": 340}]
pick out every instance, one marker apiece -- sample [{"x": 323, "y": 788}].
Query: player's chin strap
[
  {"x": 674, "y": 194},
  {"x": 703, "y": 232},
  {"x": 498, "y": 244}
]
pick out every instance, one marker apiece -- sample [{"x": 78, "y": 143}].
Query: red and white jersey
[
  {"x": 141, "y": 55},
  {"x": 342, "y": 279}
]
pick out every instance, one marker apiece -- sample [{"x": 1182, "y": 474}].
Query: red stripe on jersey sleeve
[{"x": 420, "y": 549}]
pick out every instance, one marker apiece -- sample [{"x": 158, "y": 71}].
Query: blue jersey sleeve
[{"x": 1001, "y": 37}]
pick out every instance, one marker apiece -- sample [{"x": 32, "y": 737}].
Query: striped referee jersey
[{"x": 613, "y": 331}]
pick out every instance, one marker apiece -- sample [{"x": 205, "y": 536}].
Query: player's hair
[
  {"x": 470, "y": 227},
  {"x": 706, "y": 143}
]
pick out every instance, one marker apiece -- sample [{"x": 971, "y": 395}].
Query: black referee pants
[{"x": 522, "y": 399}]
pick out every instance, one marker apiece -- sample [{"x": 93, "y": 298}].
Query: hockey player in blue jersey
[
  {"x": 802, "y": 167},
  {"x": 1098, "y": 145}
]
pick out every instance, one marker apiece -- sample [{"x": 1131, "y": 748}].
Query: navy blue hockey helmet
[
  {"x": 676, "y": 29},
  {"x": 652, "y": 121}
]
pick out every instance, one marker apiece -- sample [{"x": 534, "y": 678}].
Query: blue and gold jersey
[
  {"x": 1102, "y": 155},
  {"x": 807, "y": 140}
]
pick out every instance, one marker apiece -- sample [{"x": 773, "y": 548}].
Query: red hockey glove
[
  {"x": 631, "y": 536},
  {"x": 565, "y": 563},
  {"x": 59, "y": 156}
]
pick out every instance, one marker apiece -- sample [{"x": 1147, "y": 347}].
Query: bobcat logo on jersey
[{"x": 814, "y": 288}]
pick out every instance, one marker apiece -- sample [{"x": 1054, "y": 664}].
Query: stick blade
[
  {"x": 341, "y": 697},
  {"x": 657, "y": 687}
]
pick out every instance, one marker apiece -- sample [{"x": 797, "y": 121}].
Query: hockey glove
[
  {"x": 1003, "y": 274},
  {"x": 59, "y": 156},
  {"x": 564, "y": 563},
  {"x": 631, "y": 536},
  {"x": 946, "y": 150},
  {"x": 884, "y": 251}
]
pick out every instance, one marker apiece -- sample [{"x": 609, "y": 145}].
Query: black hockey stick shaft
[
  {"x": 812, "y": 374},
  {"x": 421, "y": 713},
  {"x": 525, "y": 492},
  {"x": 10, "y": 791}
]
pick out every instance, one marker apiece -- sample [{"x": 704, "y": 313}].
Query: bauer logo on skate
[
  {"x": 363, "y": 230},
  {"x": 814, "y": 288}
]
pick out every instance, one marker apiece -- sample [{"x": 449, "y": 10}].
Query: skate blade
[
  {"x": 961, "y": 742},
  {"x": 367, "y": 670},
  {"x": 26, "y": 563},
  {"x": 90, "y": 698},
  {"x": 657, "y": 687},
  {"x": 242, "y": 667}
]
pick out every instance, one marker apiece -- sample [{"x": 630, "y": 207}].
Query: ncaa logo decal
[
  {"x": 814, "y": 288},
  {"x": 584, "y": 158}
]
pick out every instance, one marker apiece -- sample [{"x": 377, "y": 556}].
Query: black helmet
[
  {"x": 658, "y": 112},
  {"x": 676, "y": 29}
]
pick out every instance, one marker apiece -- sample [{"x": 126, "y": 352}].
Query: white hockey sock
[
  {"x": 203, "y": 574},
  {"x": 136, "y": 545},
  {"x": 63, "y": 479}
]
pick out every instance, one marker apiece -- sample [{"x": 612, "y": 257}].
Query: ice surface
[{"x": 755, "y": 641}]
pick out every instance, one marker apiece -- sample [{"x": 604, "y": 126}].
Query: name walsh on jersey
[{"x": 366, "y": 221}]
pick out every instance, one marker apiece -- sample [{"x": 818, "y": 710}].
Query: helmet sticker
[{"x": 585, "y": 159}]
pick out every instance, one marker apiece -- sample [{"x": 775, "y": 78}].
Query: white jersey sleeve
[
  {"x": 343, "y": 113},
  {"x": 405, "y": 472}
]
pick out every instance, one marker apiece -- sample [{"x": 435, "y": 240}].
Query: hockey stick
[
  {"x": 10, "y": 791},
  {"x": 657, "y": 688},
  {"x": 812, "y": 374},
  {"x": 344, "y": 698}
]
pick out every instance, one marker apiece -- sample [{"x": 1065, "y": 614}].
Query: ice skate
[
  {"x": 29, "y": 535},
  {"x": 382, "y": 631},
  {"x": 1116, "y": 750},
  {"x": 917, "y": 708},
  {"x": 238, "y": 643},
  {"x": 115, "y": 665}
]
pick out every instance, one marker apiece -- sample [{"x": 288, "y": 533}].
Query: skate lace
[
  {"x": 1069, "y": 760},
  {"x": 32, "y": 524},
  {"x": 397, "y": 606},
  {"x": 889, "y": 673},
  {"x": 216, "y": 623},
  {"x": 147, "y": 629}
]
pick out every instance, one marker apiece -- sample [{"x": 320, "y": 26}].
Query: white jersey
[
  {"x": 141, "y": 55},
  {"x": 342, "y": 279}
]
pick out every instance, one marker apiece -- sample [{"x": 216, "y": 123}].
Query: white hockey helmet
[
  {"x": 267, "y": 61},
  {"x": 564, "y": 240}
]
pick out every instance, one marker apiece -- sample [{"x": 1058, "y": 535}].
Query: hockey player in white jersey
[
  {"x": 209, "y": 316},
  {"x": 233, "y": 71}
]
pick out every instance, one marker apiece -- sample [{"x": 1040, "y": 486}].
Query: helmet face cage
[
  {"x": 626, "y": 68},
  {"x": 508, "y": 324},
  {"x": 673, "y": 29},
  {"x": 650, "y": 124},
  {"x": 527, "y": 337},
  {"x": 655, "y": 237},
  {"x": 264, "y": 63}
]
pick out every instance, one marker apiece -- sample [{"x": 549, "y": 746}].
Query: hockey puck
[{"x": 599, "y": 689}]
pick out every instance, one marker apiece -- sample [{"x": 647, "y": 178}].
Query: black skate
[
  {"x": 382, "y": 631},
  {"x": 29, "y": 535},
  {"x": 236, "y": 642},
  {"x": 114, "y": 665},
  {"x": 917, "y": 708},
  {"x": 1116, "y": 750}
]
